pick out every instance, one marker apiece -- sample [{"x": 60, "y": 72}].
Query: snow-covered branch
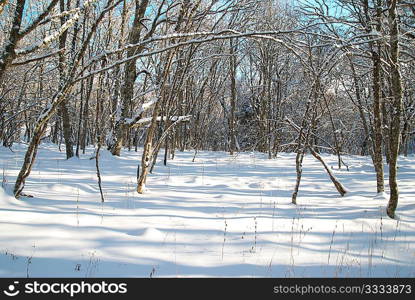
[
  {"x": 144, "y": 121},
  {"x": 77, "y": 12}
]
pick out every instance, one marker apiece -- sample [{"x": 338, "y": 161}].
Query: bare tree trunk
[
  {"x": 98, "y": 170},
  {"x": 299, "y": 170},
  {"x": 368, "y": 138},
  {"x": 29, "y": 159},
  {"x": 9, "y": 54},
  {"x": 377, "y": 102},
  {"x": 80, "y": 143},
  {"x": 405, "y": 137},
  {"x": 164, "y": 137},
  {"x": 301, "y": 148},
  {"x": 81, "y": 107},
  {"x": 232, "y": 134},
  {"x": 162, "y": 81},
  {"x": 339, "y": 186},
  {"x": 67, "y": 129},
  {"x": 63, "y": 109},
  {"x": 378, "y": 137},
  {"x": 38, "y": 132},
  {"x": 335, "y": 137},
  {"x": 395, "y": 131},
  {"x": 49, "y": 111},
  {"x": 98, "y": 129},
  {"x": 147, "y": 151},
  {"x": 16, "y": 34},
  {"x": 86, "y": 115},
  {"x": 130, "y": 75}
]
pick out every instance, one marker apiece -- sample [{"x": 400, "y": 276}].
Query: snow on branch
[
  {"x": 38, "y": 20},
  {"x": 180, "y": 118},
  {"x": 68, "y": 24},
  {"x": 176, "y": 120},
  {"x": 36, "y": 58},
  {"x": 145, "y": 106},
  {"x": 196, "y": 38},
  {"x": 172, "y": 119}
]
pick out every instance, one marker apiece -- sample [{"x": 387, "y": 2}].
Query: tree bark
[
  {"x": 16, "y": 34},
  {"x": 368, "y": 138},
  {"x": 375, "y": 49},
  {"x": 9, "y": 54},
  {"x": 130, "y": 75},
  {"x": 50, "y": 110},
  {"x": 232, "y": 134},
  {"x": 395, "y": 130},
  {"x": 301, "y": 147},
  {"x": 147, "y": 151},
  {"x": 38, "y": 132},
  {"x": 339, "y": 186},
  {"x": 85, "y": 116},
  {"x": 63, "y": 109}
]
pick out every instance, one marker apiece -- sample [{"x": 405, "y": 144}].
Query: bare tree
[
  {"x": 396, "y": 88},
  {"x": 59, "y": 97}
]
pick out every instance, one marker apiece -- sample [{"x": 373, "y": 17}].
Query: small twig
[
  {"x": 77, "y": 208},
  {"x": 224, "y": 237},
  {"x": 98, "y": 172},
  {"x": 331, "y": 244}
]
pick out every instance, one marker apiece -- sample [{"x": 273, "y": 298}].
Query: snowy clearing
[{"x": 220, "y": 216}]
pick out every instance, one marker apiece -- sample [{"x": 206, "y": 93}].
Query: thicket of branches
[{"x": 305, "y": 77}]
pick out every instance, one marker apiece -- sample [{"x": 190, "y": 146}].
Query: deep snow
[{"x": 220, "y": 216}]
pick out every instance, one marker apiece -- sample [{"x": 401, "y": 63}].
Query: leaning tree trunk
[
  {"x": 29, "y": 158},
  {"x": 339, "y": 186},
  {"x": 51, "y": 109},
  {"x": 333, "y": 127},
  {"x": 303, "y": 137},
  {"x": 148, "y": 144},
  {"x": 395, "y": 136},
  {"x": 147, "y": 152},
  {"x": 38, "y": 132},
  {"x": 301, "y": 148},
  {"x": 8, "y": 54}
]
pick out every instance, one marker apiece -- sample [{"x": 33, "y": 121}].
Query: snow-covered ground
[{"x": 221, "y": 215}]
